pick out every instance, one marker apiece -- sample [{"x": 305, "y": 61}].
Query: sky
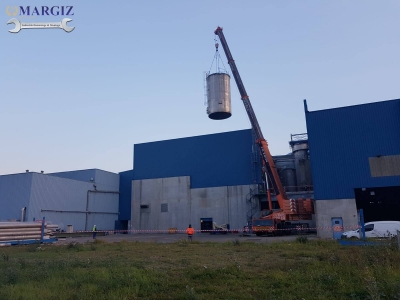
[{"x": 133, "y": 72}]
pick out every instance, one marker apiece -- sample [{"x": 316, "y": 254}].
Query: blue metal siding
[
  {"x": 15, "y": 193},
  {"x": 125, "y": 189},
  {"x": 342, "y": 139},
  {"x": 223, "y": 159}
]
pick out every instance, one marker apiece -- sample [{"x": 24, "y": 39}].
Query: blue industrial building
[
  {"x": 214, "y": 177},
  {"x": 186, "y": 180},
  {"x": 214, "y": 161},
  {"x": 355, "y": 161},
  {"x": 222, "y": 159}
]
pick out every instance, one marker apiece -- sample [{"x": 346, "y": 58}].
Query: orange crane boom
[{"x": 289, "y": 209}]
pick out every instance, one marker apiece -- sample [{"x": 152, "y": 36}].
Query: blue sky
[{"x": 132, "y": 72}]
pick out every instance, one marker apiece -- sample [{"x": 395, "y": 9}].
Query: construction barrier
[
  {"x": 175, "y": 230},
  {"x": 172, "y": 230}
]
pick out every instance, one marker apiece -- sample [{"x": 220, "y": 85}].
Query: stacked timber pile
[{"x": 24, "y": 231}]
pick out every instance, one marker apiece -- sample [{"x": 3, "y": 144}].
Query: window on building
[
  {"x": 164, "y": 207},
  {"x": 384, "y": 165},
  {"x": 144, "y": 208}
]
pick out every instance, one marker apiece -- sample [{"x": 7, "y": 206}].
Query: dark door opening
[
  {"x": 379, "y": 204},
  {"x": 206, "y": 224},
  {"x": 122, "y": 225}
]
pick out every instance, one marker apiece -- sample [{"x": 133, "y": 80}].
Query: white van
[{"x": 375, "y": 229}]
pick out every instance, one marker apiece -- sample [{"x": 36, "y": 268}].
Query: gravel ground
[{"x": 170, "y": 238}]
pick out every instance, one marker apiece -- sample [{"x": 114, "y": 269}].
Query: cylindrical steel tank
[
  {"x": 289, "y": 175},
  {"x": 303, "y": 172},
  {"x": 287, "y": 172},
  {"x": 218, "y": 96}
]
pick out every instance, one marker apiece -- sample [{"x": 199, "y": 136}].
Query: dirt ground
[{"x": 170, "y": 238}]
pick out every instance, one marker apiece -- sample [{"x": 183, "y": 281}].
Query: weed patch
[
  {"x": 189, "y": 270},
  {"x": 302, "y": 239},
  {"x": 236, "y": 242}
]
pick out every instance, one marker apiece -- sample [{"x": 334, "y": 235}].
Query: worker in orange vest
[{"x": 190, "y": 232}]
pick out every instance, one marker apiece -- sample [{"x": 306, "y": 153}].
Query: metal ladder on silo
[{"x": 252, "y": 198}]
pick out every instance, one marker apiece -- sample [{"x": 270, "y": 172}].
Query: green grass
[{"x": 301, "y": 269}]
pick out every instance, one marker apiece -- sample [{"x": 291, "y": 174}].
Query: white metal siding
[
  {"x": 55, "y": 193},
  {"x": 66, "y": 195},
  {"x": 109, "y": 181},
  {"x": 14, "y": 195},
  {"x": 106, "y": 203}
]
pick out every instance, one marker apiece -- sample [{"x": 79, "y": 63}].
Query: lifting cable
[{"x": 217, "y": 58}]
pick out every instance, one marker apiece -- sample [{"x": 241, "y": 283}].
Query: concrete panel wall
[
  {"x": 209, "y": 203},
  {"x": 174, "y": 191},
  {"x": 185, "y": 205},
  {"x": 325, "y": 210},
  {"x": 238, "y": 206}
]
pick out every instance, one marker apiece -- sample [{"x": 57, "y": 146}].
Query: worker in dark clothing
[
  {"x": 94, "y": 232},
  {"x": 190, "y": 232}
]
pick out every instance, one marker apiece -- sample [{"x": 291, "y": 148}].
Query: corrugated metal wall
[
  {"x": 55, "y": 193},
  {"x": 63, "y": 194},
  {"x": 223, "y": 159},
  {"x": 342, "y": 140},
  {"x": 104, "y": 208},
  {"x": 61, "y": 200},
  {"x": 81, "y": 175},
  {"x": 15, "y": 192},
  {"x": 104, "y": 180}
]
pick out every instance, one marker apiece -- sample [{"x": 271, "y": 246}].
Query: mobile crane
[{"x": 289, "y": 209}]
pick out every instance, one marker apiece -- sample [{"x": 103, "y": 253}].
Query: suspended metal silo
[{"x": 218, "y": 96}]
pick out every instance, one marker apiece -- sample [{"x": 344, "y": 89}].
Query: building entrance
[{"x": 379, "y": 204}]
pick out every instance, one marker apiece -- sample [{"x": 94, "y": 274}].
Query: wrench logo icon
[{"x": 40, "y": 25}]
